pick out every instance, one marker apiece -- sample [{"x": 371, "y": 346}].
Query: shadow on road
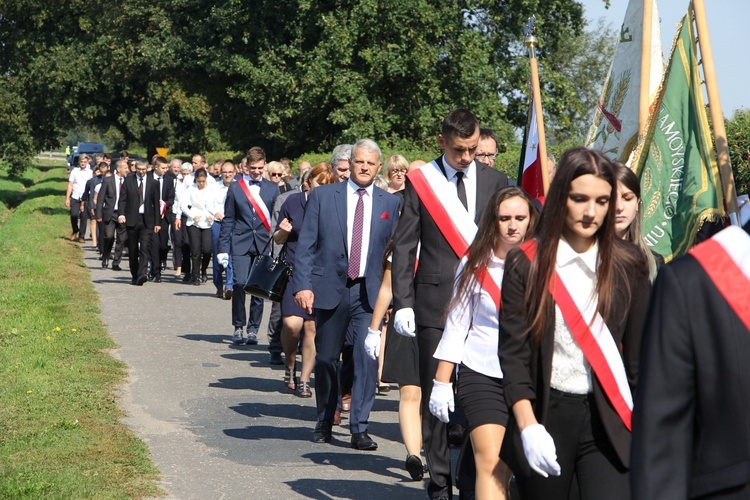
[{"x": 324, "y": 489}]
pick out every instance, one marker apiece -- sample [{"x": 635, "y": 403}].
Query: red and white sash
[
  {"x": 440, "y": 199},
  {"x": 258, "y": 205},
  {"x": 726, "y": 260},
  {"x": 596, "y": 342}
]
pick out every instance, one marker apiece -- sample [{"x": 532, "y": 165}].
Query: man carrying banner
[
  {"x": 245, "y": 232},
  {"x": 460, "y": 189},
  {"x": 690, "y": 433}
]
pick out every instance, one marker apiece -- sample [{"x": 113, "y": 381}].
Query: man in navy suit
[
  {"x": 337, "y": 274},
  {"x": 245, "y": 232}
]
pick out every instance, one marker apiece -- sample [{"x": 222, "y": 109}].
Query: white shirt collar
[
  {"x": 352, "y": 187},
  {"x": 566, "y": 255},
  {"x": 450, "y": 172},
  {"x": 496, "y": 261}
]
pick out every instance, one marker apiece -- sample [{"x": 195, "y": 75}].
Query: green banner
[{"x": 680, "y": 183}]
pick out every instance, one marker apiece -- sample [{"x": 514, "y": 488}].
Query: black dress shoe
[
  {"x": 188, "y": 278},
  {"x": 157, "y": 278},
  {"x": 204, "y": 277},
  {"x": 115, "y": 267},
  {"x": 414, "y": 467},
  {"x": 322, "y": 432},
  {"x": 361, "y": 441},
  {"x": 105, "y": 263},
  {"x": 141, "y": 280}
]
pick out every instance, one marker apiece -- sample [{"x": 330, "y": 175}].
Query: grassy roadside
[{"x": 60, "y": 435}]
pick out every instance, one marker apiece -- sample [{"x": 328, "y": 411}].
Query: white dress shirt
[
  {"x": 117, "y": 189},
  {"x": 197, "y": 202},
  {"x": 352, "y": 198},
  {"x": 571, "y": 372},
  {"x": 470, "y": 183},
  {"x": 79, "y": 177},
  {"x": 218, "y": 197},
  {"x": 472, "y": 328}
]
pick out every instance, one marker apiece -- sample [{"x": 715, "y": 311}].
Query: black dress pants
[
  {"x": 159, "y": 245},
  {"x": 584, "y": 453},
  {"x": 434, "y": 432},
  {"x": 200, "y": 249},
  {"x": 139, "y": 240}
]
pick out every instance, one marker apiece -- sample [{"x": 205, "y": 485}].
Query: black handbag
[{"x": 269, "y": 275}]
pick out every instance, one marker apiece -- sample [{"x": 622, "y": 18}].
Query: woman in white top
[
  {"x": 573, "y": 306},
  {"x": 196, "y": 203},
  {"x": 180, "y": 240},
  {"x": 470, "y": 338}
]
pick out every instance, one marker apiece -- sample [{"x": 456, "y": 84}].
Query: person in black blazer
[
  {"x": 563, "y": 424},
  {"x": 106, "y": 214},
  {"x": 420, "y": 299},
  {"x": 340, "y": 280},
  {"x": 244, "y": 236},
  {"x": 138, "y": 209},
  {"x": 160, "y": 240},
  {"x": 690, "y": 432}
]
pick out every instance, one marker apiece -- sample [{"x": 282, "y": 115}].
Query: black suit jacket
[
  {"x": 167, "y": 194},
  {"x": 527, "y": 369},
  {"x": 105, "y": 202},
  {"x": 130, "y": 201},
  {"x": 691, "y": 423},
  {"x": 429, "y": 290}
]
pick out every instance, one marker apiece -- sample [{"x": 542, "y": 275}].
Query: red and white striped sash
[
  {"x": 596, "y": 342},
  {"x": 726, "y": 260},
  {"x": 440, "y": 199},
  {"x": 258, "y": 205}
]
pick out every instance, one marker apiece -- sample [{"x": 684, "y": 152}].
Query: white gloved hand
[
  {"x": 372, "y": 343},
  {"x": 441, "y": 400},
  {"x": 539, "y": 448},
  {"x": 223, "y": 259},
  {"x": 404, "y": 322}
]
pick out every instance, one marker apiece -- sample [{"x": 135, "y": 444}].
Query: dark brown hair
[
  {"x": 480, "y": 251},
  {"x": 614, "y": 261}
]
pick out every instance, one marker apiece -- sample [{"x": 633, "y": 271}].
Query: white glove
[
  {"x": 441, "y": 400},
  {"x": 372, "y": 343},
  {"x": 404, "y": 322},
  {"x": 539, "y": 448},
  {"x": 223, "y": 259}
]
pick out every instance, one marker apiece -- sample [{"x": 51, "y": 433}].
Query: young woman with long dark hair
[
  {"x": 573, "y": 305},
  {"x": 470, "y": 338}
]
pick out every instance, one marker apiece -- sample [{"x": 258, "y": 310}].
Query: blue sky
[{"x": 730, "y": 40}]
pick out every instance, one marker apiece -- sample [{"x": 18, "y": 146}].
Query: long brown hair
[
  {"x": 480, "y": 251},
  {"x": 634, "y": 234},
  {"x": 614, "y": 261}
]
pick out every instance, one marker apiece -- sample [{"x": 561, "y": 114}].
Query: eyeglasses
[
  {"x": 398, "y": 172},
  {"x": 486, "y": 156},
  {"x": 276, "y": 174}
]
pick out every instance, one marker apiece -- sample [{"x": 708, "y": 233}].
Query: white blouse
[
  {"x": 472, "y": 328},
  {"x": 197, "y": 202},
  {"x": 571, "y": 372}
]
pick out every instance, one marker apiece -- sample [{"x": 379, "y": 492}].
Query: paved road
[{"x": 217, "y": 418}]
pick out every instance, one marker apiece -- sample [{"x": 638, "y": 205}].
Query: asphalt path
[{"x": 217, "y": 418}]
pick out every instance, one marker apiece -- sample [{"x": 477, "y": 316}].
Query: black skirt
[
  {"x": 482, "y": 398},
  {"x": 401, "y": 362}
]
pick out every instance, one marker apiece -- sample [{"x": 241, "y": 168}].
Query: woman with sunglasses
[
  {"x": 574, "y": 301},
  {"x": 276, "y": 174}
]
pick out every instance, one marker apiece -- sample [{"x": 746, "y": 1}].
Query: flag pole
[
  {"x": 717, "y": 116},
  {"x": 643, "y": 110},
  {"x": 531, "y": 42}
]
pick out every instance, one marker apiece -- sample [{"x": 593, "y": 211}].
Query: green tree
[{"x": 738, "y": 139}]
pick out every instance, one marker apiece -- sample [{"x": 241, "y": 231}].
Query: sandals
[
  {"x": 290, "y": 378},
  {"x": 304, "y": 390}
]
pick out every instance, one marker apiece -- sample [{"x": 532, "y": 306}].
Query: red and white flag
[{"x": 531, "y": 171}]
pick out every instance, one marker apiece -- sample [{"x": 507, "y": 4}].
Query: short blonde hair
[
  {"x": 275, "y": 166},
  {"x": 395, "y": 162}
]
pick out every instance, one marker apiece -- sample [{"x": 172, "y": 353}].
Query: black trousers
[
  {"x": 109, "y": 230},
  {"x": 583, "y": 452},
  {"x": 200, "y": 249},
  {"x": 78, "y": 216},
  {"x": 139, "y": 240},
  {"x": 159, "y": 246},
  {"x": 434, "y": 432},
  {"x": 274, "y": 328}
]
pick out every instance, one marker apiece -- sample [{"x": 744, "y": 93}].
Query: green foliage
[
  {"x": 196, "y": 75},
  {"x": 738, "y": 139}
]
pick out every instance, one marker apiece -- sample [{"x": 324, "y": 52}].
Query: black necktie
[
  {"x": 140, "y": 190},
  {"x": 160, "y": 188},
  {"x": 461, "y": 189}
]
